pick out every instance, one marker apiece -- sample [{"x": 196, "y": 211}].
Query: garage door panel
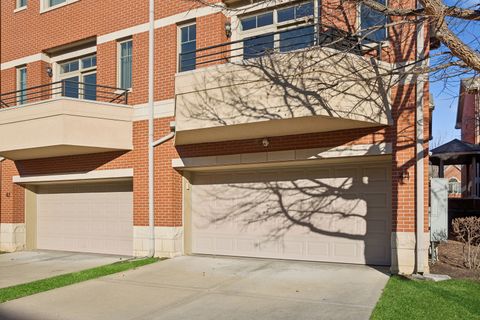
[
  {"x": 86, "y": 218},
  {"x": 341, "y": 213}
]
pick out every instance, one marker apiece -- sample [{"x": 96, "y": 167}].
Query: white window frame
[
  {"x": 81, "y": 72},
  {"x": 275, "y": 26},
  {"x": 18, "y": 7},
  {"x": 119, "y": 68},
  {"x": 179, "y": 43},
  {"x": 19, "y": 85},
  {"x": 359, "y": 24},
  {"x": 45, "y": 7}
]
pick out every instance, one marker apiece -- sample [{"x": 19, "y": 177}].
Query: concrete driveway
[
  {"x": 26, "y": 266},
  {"x": 213, "y": 288}
]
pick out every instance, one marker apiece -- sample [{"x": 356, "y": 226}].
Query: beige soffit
[
  {"x": 91, "y": 175},
  {"x": 284, "y": 157}
]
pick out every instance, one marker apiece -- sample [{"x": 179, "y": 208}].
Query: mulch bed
[{"x": 451, "y": 262}]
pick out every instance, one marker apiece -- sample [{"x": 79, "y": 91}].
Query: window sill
[
  {"x": 66, "y": 3},
  {"x": 119, "y": 91},
  {"x": 19, "y": 9}
]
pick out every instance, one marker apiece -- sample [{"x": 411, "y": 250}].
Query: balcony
[
  {"x": 63, "y": 119},
  {"x": 334, "y": 82}
]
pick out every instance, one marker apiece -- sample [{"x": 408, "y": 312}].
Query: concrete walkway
[
  {"x": 26, "y": 266},
  {"x": 213, "y": 288}
]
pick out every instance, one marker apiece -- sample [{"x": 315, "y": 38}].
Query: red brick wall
[{"x": 88, "y": 18}]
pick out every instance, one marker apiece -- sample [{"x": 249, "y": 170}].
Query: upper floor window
[
  {"x": 21, "y": 4},
  {"x": 46, "y": 5},
  {"x": 79, "y": 77},
  {"x": 22, "y": 85},
  {"x": 284, "y": 28},
  {"x": 125, "y": 64},
  {"x": 188, "y": 45},
  {"x": 373, "y": 23},
  {"x": 52, "y": 3}
]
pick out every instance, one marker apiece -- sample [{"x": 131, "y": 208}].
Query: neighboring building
[
  {"x": 453, "y": 174},
  {"x": 269, "y": 159},
  {"x": 468, "y": 116}
]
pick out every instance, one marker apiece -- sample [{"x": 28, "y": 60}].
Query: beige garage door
[
  {"x": 335, "y": 213},
  {"x": 86, "y": 218}
]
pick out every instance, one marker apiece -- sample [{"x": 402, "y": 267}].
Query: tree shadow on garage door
[{"x": 340, "y": 213}]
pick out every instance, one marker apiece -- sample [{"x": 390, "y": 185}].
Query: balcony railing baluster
[{"x": 79, "y": 90}]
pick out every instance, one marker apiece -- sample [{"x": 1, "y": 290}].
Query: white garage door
[
  {"x": 335, "y": 213},
  {"x": 86, "y": 218}
]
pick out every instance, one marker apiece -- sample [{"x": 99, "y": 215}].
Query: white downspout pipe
[
  {"x": 151, "y": 37},
  {"x": 419, "y": 172}
]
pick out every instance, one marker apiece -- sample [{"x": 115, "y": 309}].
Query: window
[
  {"x": 80, "y": 77},
  {"x": 22, "y": 85},
  {"x": 370, "y": 18},
  {"x": 188, "y": 45},
  {"x": 453, "y": 186},
  {"x": 284, "y": 29},
  {"x": 52, "y": 3},
  {"x": 125, "y": 64},
  {"x": 21, "y": 4}
]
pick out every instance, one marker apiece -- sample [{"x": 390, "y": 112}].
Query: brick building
[{"x": 286, "y": 144}]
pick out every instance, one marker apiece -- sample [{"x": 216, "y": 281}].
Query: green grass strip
[
  {"x": 26, "y": 289},
  {"x": 415, "y": 299}
]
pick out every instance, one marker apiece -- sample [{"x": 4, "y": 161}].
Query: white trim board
[
  {"x": 24, "y": 60},
  {"x": 91, "y": 175}
]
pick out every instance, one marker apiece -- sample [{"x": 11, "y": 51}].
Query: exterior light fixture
[
  {"x": 49, "y": 72},
  {"x": 265, "y": 142},
  {"x": 228, "y": 29}
]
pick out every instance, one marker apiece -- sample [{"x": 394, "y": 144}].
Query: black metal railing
[
  {"x": 64, "y": 88},
  {"x": 325, "y": 36}
]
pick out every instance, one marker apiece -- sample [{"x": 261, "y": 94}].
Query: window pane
[
  {"x": 192, "y": 32},
  {"x": 73, "y": 66},
  {"x": 187, "y": 58},
  {"x": 264, "y": 19},
  {"x": 22, "y": 3},
  {"x": 297, "y": 39},
  {"x": 257, "y": 46},
  {"x": 372, "y": 18},
  {"x": 55, "y": 2},
  {"x": 126, "y": 65},
  {"x": 22, "y": 85},
  {"x": 249, "y": 23},
  {"x": 89, "y": 90},
  {"x": 304, "y": 10},
  {"x": 89, "y": 62},
  {"x": 286, "y": 14},
  {"x": 71, "y": 87}
]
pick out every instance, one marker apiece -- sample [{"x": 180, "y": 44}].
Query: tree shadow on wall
[{"x": 338, "y": 213}]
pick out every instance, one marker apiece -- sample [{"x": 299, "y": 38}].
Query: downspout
[
  {"x": 151, "y": 36},
  {"x": 419, "y": 173}
]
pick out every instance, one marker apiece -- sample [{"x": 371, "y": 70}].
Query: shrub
[{"x": 467, "y": 230}]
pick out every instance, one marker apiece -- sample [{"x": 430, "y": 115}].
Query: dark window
[
  {"x": 188, "y": 45},
  {"x": 371, "y": 18},
  {"x": 297, "y": 38},
  {"x": 296, "y": 12},
  {"x": 257, "y": 46},
  {"x": 257, "y": 21}
]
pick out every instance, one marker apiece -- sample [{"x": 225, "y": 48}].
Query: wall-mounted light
[
  {"x": 265, "y": 142},
  {"x": 228, "y": 29},
  {"x": 49, "y": 72},
  {"x": 405, "y": 175}
]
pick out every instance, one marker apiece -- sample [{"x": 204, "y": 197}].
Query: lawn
[
  {"x": 26, "y": 289},
  {"x": 416, "y": 299}
]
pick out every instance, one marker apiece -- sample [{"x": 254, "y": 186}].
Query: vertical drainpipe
[
  {"x": 151, "y": 30},
  {"x": 419, "y": 125}
]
